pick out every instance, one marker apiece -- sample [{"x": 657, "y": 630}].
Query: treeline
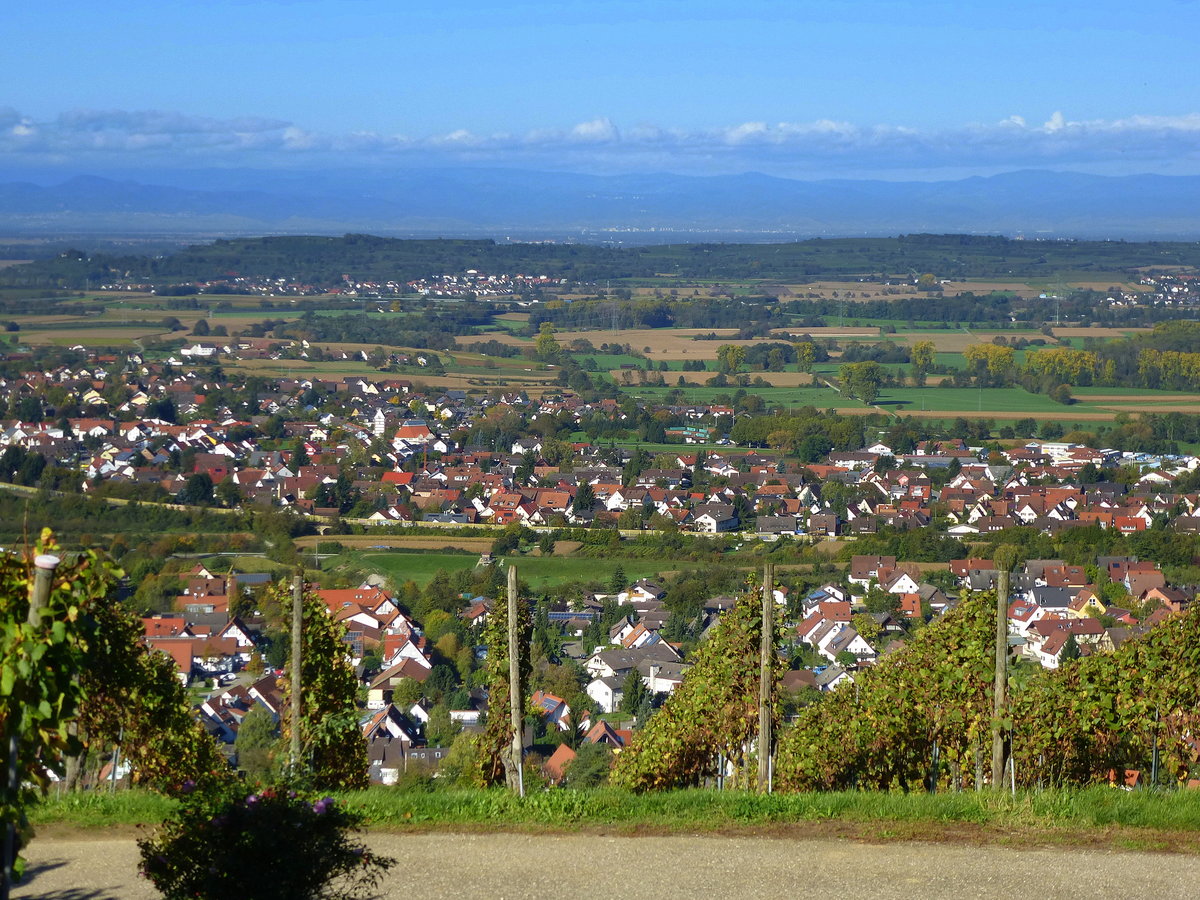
[
  {"x": 324, "y": 260},
  {"x": 433, "y": 329},
  {"x": 749, "y": 315},
  {"x": 1166, "y": 358},
  {"x": 808, "y": 432}
]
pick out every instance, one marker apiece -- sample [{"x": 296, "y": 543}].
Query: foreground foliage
[
  {"x": 39, "y": 654},
  {"x": 275, "y": 843}
]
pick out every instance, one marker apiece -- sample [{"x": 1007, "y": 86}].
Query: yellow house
[{"x": 1085, "y": 605}]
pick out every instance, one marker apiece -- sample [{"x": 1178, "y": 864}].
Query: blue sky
[{"x": 838, "y": 88}]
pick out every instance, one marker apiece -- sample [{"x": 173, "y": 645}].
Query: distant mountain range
[{"x": 629, "y": 208}]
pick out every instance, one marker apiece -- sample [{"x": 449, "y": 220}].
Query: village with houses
[{"x": 382, "y": 455}]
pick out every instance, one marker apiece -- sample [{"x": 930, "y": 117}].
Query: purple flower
[
  {"x": 252, "y": 800},
  {"x": 187, "y": 787},
  {"x": 322, "y": 805}
]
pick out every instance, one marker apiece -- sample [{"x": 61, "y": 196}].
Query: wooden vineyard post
[
  {"x": 515, "y": 688},
  {"x": 294, "y": 674},
  {"x": 765, "y": 679},
  {"x": 1004, "y": 562}
]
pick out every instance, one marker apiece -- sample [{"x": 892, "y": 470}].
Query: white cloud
[
  {"x": 598, "y": 143},
  {"x": 596, "y": 131}
]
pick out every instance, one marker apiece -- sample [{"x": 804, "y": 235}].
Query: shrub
[{"x": 277, "y": 843}]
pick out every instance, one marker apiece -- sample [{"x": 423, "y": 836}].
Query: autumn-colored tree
[
  {"x": 922, "y": 356},
  {"x": 545, "y": 345},
  {"x": 730, "y": 357},
  {"x": 805, "y": 355}
]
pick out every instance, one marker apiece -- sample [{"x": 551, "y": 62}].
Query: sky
[{"x": 829, "y": 89}]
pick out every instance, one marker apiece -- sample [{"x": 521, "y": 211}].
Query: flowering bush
[{"x": 277, "y": 843}]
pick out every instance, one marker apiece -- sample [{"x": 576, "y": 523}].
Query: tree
[
  {"x": 1062, "y": 394},
  {"x": 879, "y": 600},
  {"x": 333, "y": 752},
  {"x": 200, "y": 329},
  {"x": 862, "y": 380},
  {"x": 867, "y": 627},
  {"x": 545, "y": 345},
  {"x": 619, "y": 581},
  {"x": 633, "y": 693},
  {"x": 228, "y": 493},
  {"x": 590, "y": 767},
  {"x": 805, "y": 356},
  {"x": 585, "y": 499},
  {"x": 730, "y": 357},
  {"x": 922, "y": 356},
  {"x": 256, "y": 743},
  {"x": 197, "y": 490},
  {"x": 1070, "y": 651}
]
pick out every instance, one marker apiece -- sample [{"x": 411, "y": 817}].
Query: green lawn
[{"x": 539, "y": 571}]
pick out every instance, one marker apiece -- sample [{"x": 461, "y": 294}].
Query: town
[{"x": 1107, "y": 539}]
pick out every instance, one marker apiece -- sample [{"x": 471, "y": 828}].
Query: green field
[
  {"x": 820, "y": 397},
  {"x": 539, "y": 571},
  {"x": 999, "y": 400}
]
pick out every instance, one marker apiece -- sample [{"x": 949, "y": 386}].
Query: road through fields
[{"x": 554, "y": 867}]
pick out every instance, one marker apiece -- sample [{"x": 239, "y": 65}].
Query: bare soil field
[
  {"x": 829, "y": 331},
  {"x": 91, "y": 333},
  {"x": 1143, "y": 398},
  {"x": 854, "y": 291},
  {"x": 1020, "y": 288},
  {"x": 1158, "y": 408},
  {"x": 663, "y": 343}
]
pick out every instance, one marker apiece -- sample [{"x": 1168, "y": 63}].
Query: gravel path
[{"x": 530, "y": 867}]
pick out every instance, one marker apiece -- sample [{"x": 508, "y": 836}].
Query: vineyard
[{"x": 921, "y": 718}]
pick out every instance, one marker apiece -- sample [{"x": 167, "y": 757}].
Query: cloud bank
[{"x": 1135, "y": 143}]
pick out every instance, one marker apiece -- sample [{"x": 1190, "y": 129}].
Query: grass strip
[{"x": 694, "y": 810}]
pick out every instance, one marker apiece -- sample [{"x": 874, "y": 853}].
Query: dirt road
[{"x": 528, "y": 867}]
